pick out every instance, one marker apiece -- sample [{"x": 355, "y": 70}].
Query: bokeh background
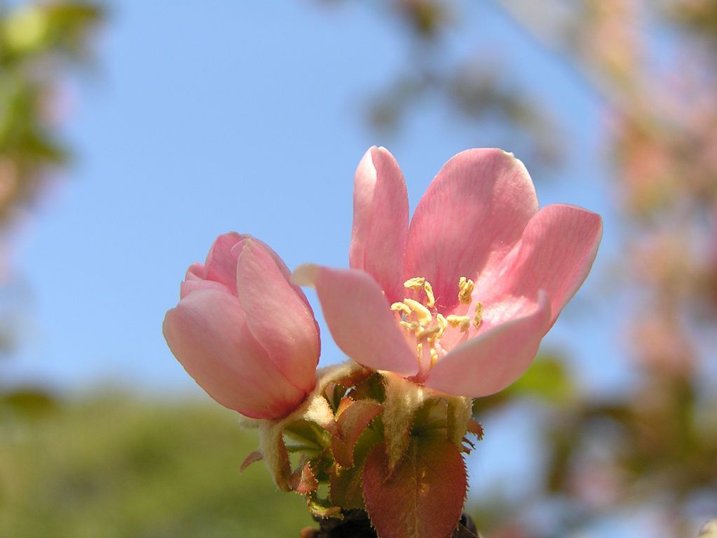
[{"x": 132, "y": 133}]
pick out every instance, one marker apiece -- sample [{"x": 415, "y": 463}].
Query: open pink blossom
[
  {"x": 243, "y": 332},
  {"x": 460, "y": 299}
]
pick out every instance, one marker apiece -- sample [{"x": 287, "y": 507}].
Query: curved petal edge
[{"x": 359, "y": 318}]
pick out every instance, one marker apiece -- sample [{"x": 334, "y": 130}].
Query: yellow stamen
[
  {"x": 419, "y": 318},
  {"x": 422, "y": 313},
  {"x": 428, "y": 333},
  {"x": 442, "y": 323},
  {"x": 434, "y": 357},
  {"x": 414, "y": 283},
  {"x": 463, "y": 322},
  {"x": 478, "y": 317},
  {"x": 465, "y": 288},
  {"x": 430, "y": 298},
  {"x": 411, "y": 326}
]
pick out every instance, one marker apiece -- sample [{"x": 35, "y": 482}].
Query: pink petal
[
  {"x": 236, "y": 250},
  {"x": 278, "y": 314},
  {"x": 471, "y": 215},
  {"x": 193, "y": 284},
  {"x": 494, "y": 312},
  {"x": 493, "y": 360},
  {"x": 380, "y": 226},
  {"x": 207, "y": 333},
  {"x": 359, "y": 318},
  {"x": 221, "y": 261},
  {"x": 555, "y": 254},
  {"x": 196, "y": 271}
]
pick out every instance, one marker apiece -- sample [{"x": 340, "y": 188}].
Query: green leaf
[
  {"x": 424, "y": 495},
  {"x": 322, "y": 508},
  {"x": 346, "y": 487},
  {"x": 306, "y": 434}
]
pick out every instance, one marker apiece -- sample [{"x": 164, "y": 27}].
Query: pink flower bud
[{"x": 245, "y": 334}]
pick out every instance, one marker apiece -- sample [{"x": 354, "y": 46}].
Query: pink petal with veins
[
  {"x": 278, "y": 315},
  {"x": 555, "y": 254},
  {"x": 471, "y": 215},
  {"x": 491, "y": 361},
  {"x": 380, "y": 225},
  {"x": 359, "y": 318}
]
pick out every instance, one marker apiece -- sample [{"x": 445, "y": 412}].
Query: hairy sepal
[
  {"x": 403, "y": 399},
  {"x": 413, "y": 410},
  {"x": 315, "y": 413}
]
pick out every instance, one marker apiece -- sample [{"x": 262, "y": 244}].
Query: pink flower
[
  {"x": 460, "y": 299},
  {"x": 243, "y": 332}
]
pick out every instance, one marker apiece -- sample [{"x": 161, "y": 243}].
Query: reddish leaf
[
  {"x": 251, "y": 458},
  {"x": 424, "y": 495},
  {"x": 303, "y": 480},
  {"x": 353, "y": 419},
  {"x": 344, "y": 404},
  {"x": 475, "y": 428}
]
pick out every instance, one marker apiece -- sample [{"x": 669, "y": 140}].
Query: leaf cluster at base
[{"x": 377, "y": 444}]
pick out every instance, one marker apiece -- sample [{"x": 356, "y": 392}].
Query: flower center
[{"x": 421, "y": 320}]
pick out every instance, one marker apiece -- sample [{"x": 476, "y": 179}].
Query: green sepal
[
  {"x": 308, "y": 427},
  {"x": 403, "y": 399}
]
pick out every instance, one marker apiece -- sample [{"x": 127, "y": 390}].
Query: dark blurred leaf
[
  {"x": 425, "y": 17},
  {"x": 29, "y": 402}
]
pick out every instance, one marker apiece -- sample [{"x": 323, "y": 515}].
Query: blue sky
[{"x": 206, "y": 117}]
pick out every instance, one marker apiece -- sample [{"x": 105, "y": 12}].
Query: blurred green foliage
[
  {"x": 119, "y": 466},
  {"x": 38, "y": 43}
]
